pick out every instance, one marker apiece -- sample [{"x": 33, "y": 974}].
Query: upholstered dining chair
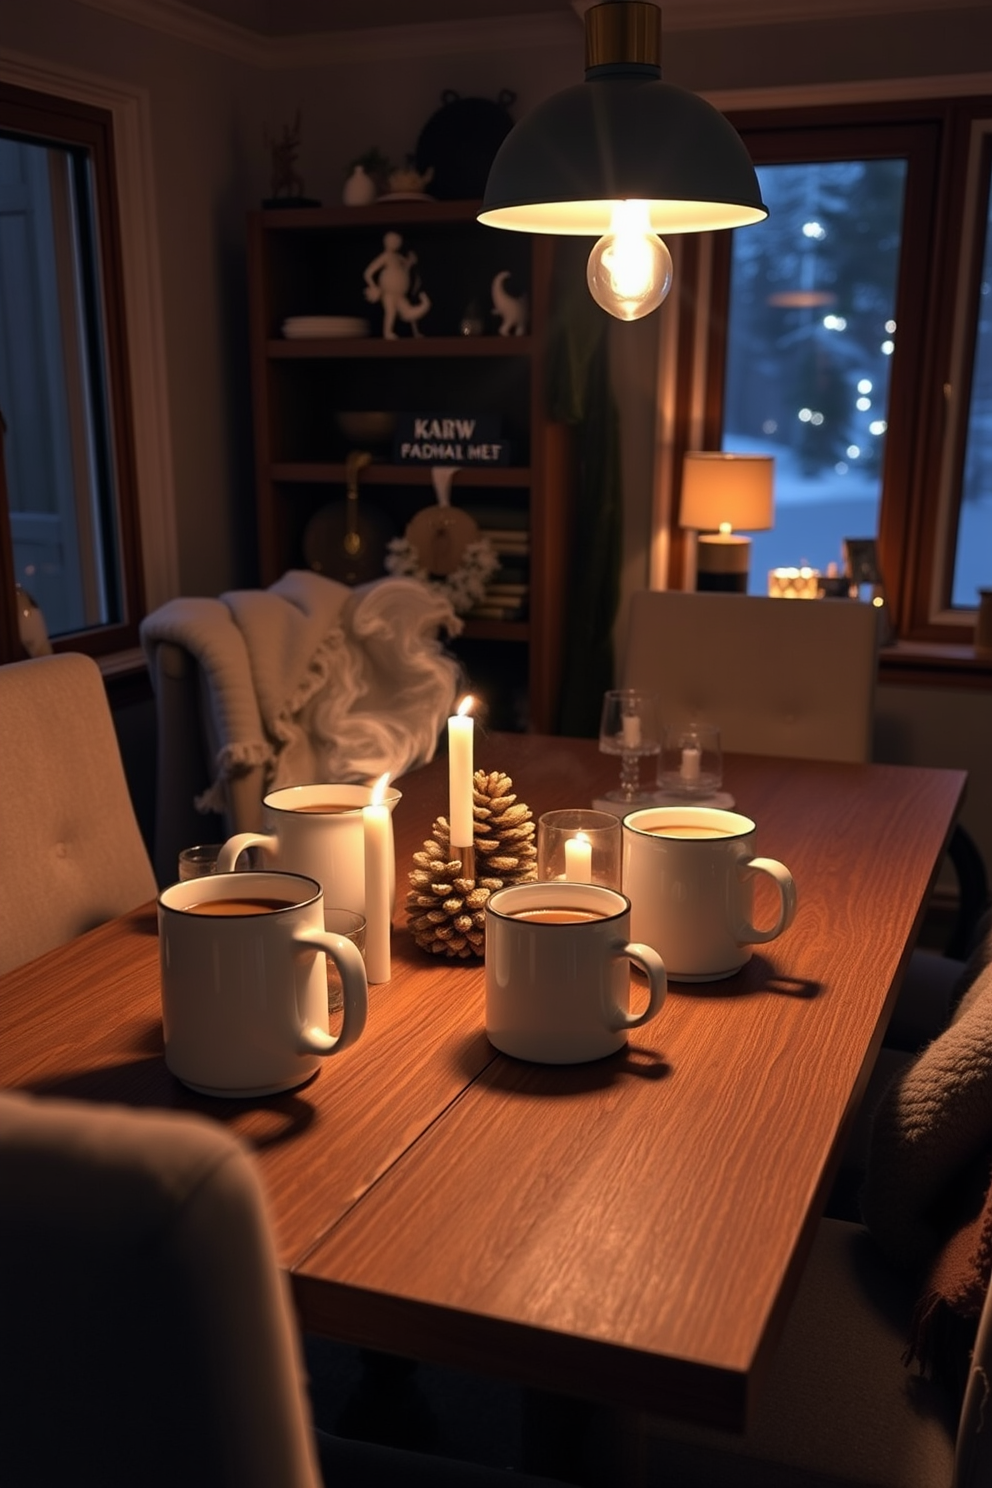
[
  {"x": 73, "y": 851},
  {"x": 147, "y": 1335},
  {"x": 780, "y": 677}
]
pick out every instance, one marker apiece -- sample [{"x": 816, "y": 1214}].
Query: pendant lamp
[{"x": 623, "y": 157}]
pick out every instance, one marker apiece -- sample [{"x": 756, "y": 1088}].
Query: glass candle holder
[
  {"x": 629, "y": 728},
  {"x": 579, "y": 846},
  {"x": 691, "y": 760}
]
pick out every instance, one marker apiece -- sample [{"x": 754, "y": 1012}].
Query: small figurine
[
  {"x": 511, "y": 310},
  {"x": 359, "y": 189},
  {"x": 407, "y": 180},
  {"x": 388, "y": 279}
]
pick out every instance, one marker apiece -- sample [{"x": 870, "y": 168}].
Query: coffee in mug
[
  {"x": 317, "y": 830},
  {"x": 556, "y": 916},
  {"x": 244, "y": 982},
  {"x": 689, "y": 874},
  {"x": 558, "y": 972},
  {"x": 696, "y": 832},
  {"x": 321, "y": 808},
  {"x": 221, "y": 907}
]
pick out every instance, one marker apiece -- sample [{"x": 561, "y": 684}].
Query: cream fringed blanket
[
  {"x": 317, "y": 681},
  {"x": 927, "y": 1198}
]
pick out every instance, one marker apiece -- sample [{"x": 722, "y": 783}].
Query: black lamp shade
[{"x": 614, "y": 138}]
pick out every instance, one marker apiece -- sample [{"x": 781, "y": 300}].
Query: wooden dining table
[{"x": 629, "y": 1231}]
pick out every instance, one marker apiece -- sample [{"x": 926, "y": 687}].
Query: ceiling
[{"x": 301, "y": 17}]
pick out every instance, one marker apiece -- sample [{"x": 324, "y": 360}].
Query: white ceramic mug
[
  {"x": 317, "y": 830},
  {"x": 689, "y": 874},
  {"x": 557, "y": 973},
  {"x": 244, "y": 982}
]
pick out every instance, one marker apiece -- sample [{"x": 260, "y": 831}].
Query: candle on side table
[
  {"x": 375, "y": 823},
  {"x": 794, "y": 583}
]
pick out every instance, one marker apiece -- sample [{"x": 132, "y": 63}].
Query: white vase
[{"x": 359, "y": 189}]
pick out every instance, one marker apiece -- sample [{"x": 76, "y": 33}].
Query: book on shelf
[
  {"x": 501, "y": 591},
  {"x": 516, "y": 544},
  {"x": 485, "y": 611}
]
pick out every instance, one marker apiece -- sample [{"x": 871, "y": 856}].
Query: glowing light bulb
[{"x": 630, "y": 270}]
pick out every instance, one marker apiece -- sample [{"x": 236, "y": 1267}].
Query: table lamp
[{"x": 721, "y": 493}]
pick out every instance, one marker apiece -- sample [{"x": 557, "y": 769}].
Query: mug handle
[
  {"x": 234, "y": 846},
  {"x": 348, "y": 960},
  {"x": 654, "y": 969},
  {"x": 747, "y": 934}
]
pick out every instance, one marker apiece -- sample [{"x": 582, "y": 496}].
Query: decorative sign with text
[{"x": 449, "y": 439}]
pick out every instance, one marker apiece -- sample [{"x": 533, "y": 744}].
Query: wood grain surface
[{"x": 630, "y": 1230}]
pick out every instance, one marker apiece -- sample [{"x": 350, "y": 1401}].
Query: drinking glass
[
  {"x": 198, "y": 861},
  {"x": 629, "y": 728},
  {"x": 350, "y": 924}
]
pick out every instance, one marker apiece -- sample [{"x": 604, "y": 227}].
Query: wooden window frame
[
  {"x": 48, "y": 119},
  {"x": 933, "y": 134}
]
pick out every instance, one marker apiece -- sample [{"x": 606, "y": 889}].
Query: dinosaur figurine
[{"x": 511, "y": 310}]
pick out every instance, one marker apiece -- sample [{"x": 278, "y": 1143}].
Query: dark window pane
[
  {"x": 60, "y": 469},
  {"x": 810, "y": 339},
  {"x": 973, "y": 558}
]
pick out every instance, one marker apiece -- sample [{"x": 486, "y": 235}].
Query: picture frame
[{"x": 861, "y": 560}]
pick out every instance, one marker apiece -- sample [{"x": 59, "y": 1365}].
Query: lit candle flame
[
  {"x": 466, "y": 705},
  {"x": 379, "y": 790}
]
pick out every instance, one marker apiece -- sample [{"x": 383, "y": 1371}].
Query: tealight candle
[
  {"x": 689, "y": 769},
  {"x": 578, "y": 858},
  {"x": 631, "y": 731},
  {"x": 375, "y": 823},
  {"x": 461, "y": 743}
]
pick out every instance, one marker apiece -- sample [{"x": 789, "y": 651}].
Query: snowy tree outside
[{"x": 810, "y": 341}]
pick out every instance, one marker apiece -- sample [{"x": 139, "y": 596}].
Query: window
[
  {"x": 851, "y": 337},
  {"x": 72, "y": 530}
]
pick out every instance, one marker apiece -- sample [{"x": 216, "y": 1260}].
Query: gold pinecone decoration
[{"x": 447, "y": 911}]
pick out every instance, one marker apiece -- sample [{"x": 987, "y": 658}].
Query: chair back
[
  {"x": 778, "y": 677},
  {"x": 73, "y": 852},
  {"x": 147, "y": 1335}
]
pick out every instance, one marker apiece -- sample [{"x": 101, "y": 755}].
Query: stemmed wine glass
[{"x": 629, "y": 728}]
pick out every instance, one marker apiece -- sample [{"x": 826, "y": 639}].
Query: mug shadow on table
[
  {"x": 147, "y": 1084},
  {"x": 522, "y": 1077},
  {"x": 756, "y": 978}
]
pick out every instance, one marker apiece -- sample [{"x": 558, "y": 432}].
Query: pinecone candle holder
[{"x": 447, "y": 899}]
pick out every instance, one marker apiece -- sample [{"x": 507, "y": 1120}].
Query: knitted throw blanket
[
  {"x": 954, "y": 1292},
  {"x": 317, "y": 681},
  {"x": 927, "y": 1199}
]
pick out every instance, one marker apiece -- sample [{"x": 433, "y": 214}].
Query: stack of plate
[{"x": 306, "y": 327}]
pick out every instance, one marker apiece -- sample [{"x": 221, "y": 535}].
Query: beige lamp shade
[{"x": 729, "y": 491}]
